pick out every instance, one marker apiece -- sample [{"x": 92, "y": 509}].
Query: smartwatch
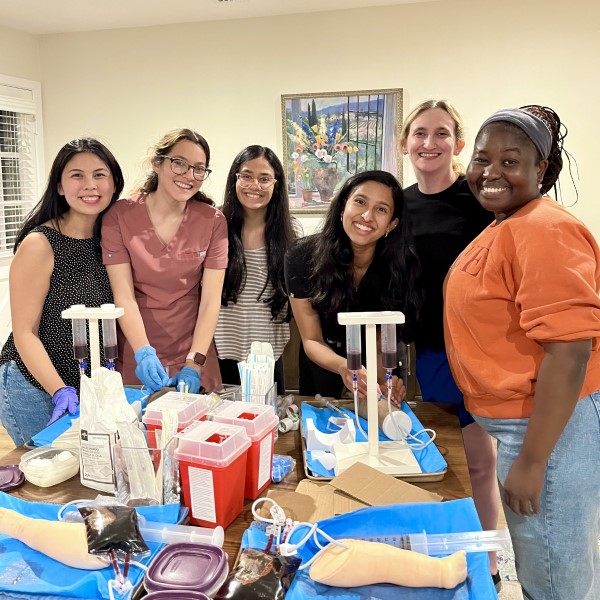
[{"x": 196, "y": 357}]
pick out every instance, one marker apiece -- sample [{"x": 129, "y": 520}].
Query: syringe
[
  {"x": 167, "y": 533},
  {"x": 389, "y": 354},
  {"x": 80, "y": 345},
  {"x": 354, "y": 362},
  {"x": 109, "y": 337},
  {"x": 330, "y": 404},
  {"x": 439, "y": 544}
]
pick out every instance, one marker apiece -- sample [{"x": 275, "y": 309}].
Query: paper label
[
  {"x": 265, "y": 460},
  {"x": 96, "y": 460},
  {"x": 202, "y": 494}
]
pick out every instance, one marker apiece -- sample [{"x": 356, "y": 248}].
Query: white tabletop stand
[
  {"x": 93, "y": 315},
  {"x": 387, "y": 457}
]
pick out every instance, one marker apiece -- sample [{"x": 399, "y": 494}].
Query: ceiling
[{"x": 61, "y": 16}]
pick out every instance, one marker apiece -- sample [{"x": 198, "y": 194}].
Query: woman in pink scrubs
[{"x": 165, "y": 250}]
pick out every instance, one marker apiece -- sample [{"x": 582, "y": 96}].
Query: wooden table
[{"x": 454, "y": 485}]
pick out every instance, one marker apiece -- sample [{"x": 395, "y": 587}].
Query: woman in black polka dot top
[{"x": 57, "y": 264}]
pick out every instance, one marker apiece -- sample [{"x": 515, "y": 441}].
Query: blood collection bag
[
  {"x": 259, "y": 575},
  {"x": 112, "y": 528}
]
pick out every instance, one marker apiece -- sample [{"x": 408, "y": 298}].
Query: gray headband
[{"x": 535, "y": 129}]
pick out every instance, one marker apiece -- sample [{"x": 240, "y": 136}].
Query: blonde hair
[{"x": 459, "y": 128}]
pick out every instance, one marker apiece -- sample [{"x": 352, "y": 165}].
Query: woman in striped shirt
[{"x": 254, "y": 301}]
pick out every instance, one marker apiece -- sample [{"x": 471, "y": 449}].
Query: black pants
[{"x": 230, "y": 373}]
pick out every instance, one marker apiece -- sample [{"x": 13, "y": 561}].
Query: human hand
[
  {"x": 65, "y": 399},
  {"x": 190, "y": 378},
  {"x": 523, "y": 486},
  {"x": 149, "y": 369},
  {"x": 398, "y": 391},
  {"x": 347, "y": 377}
]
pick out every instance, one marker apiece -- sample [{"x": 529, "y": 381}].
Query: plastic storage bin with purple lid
[{"x": 187, "y": 568}]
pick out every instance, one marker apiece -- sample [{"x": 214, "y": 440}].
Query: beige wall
[
  {"x": 225, "y": 78},
  {"x": 19, "y": 54}
]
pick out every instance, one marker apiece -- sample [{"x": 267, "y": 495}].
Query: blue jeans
[
  {"x": 24, "y": 409},
  {"x": 556, "y": 551}
]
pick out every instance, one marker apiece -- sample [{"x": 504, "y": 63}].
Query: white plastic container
[
  {"x": 49, "y": 465},
  {"x": 189, "y": 408}
]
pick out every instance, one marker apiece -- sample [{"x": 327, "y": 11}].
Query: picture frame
[{"x": 330, "y": 136}]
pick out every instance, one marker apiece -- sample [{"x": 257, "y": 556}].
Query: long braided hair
[{"x": 558, "y": 132}]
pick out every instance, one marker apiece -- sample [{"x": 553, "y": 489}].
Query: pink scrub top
[{"x": 166, "y": 278}]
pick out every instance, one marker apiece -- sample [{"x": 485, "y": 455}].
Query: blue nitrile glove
[
  {"x": 189, "y": 376},
  {"x": 149, "y": 370},
  {"x": 65, "y": 399}
]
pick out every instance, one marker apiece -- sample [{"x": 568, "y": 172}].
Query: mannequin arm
[
  {"x": 368, "y": 563},
  {"x": 64, "y": 542}
]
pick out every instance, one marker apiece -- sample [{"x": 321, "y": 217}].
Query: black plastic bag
[
  {"x": 259, "y": 576},
  {"x": 111, "y": 528}
]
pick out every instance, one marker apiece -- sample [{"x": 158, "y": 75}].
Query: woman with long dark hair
[
  {"x": 362, "y": 260},
  {"x": 165, "y": 250},
  {"x": 260, "y": 229},
  {"x": 57, "y": 264}
]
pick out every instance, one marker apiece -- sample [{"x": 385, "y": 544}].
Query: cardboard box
[
  {"x": 377, "y": 489},
  {"x": 356, "y": 488}
]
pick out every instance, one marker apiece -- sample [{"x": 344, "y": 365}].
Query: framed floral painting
[{"x": 328, "y": 137}]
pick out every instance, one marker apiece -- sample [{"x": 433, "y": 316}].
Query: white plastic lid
[
  {"x": 49, "y": 465},
  {"x": 211, "y": 443},
  {"x": 192, "y": 409},
  {"x": 256, "y": 419}
]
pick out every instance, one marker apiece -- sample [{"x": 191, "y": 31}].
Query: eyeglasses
[
  {"x": 264, "y": 183},
  {"x": 181, "y": 167}
]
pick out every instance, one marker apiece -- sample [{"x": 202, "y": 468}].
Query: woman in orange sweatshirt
[{"x": 522, "y": 329}]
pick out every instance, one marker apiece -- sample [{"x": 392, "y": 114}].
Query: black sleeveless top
[{"x": 78, "y": 277}]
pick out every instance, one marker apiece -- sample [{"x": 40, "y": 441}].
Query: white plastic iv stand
[
  {"x": 92, "y": 315},
  {"x": 387, "y": 457}
]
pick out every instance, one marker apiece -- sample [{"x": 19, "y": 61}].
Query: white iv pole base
[
  {"x": 387, "y": 457},
  {"x": 393, "y": 458}
]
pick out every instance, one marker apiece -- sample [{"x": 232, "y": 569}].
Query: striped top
[{"x": 249, "y": 319}]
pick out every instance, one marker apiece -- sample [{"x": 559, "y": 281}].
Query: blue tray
[
  {"x": 434, "y": 517},
  {"x": 26, "y": 573},
  {"x": 432, "y": 463},
  {"x": 51, "y": 432}
]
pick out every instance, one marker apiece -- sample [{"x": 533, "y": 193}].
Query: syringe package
[{"x": 103, "y": 404}]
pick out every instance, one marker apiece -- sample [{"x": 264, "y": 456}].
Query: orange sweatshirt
[{"x": 532, "y": 278}]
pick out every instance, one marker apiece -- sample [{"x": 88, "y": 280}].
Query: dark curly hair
[{"x": 555, "y": 159}]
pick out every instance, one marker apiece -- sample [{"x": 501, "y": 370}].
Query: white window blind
[{"x": 20, "y": 155}]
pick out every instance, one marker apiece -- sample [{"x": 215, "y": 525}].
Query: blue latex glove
[
  {"x": 149, "y": 370},
  {"x": 65, "y": 399},
  {"x": 189, "y": 376}
]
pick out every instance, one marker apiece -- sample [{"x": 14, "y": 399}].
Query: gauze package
[{"x": 102, "y": 405}]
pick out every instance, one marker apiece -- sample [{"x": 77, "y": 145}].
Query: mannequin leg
[
  {"x": 368, "y": 563},
  {"x": 64, "y": 542}
]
